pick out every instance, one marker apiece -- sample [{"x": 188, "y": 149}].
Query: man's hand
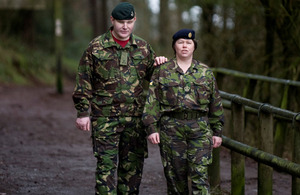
[
  {"x": 217, "y": 141},
  {"x": 83, "y": 123},
  {"x": 154, "y": 138},
  {"x": 160, "y": 60}
]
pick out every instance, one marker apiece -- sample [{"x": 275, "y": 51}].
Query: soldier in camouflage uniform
[
  {"x": 112, "y": 82},
  {"x": 184, "y": 115}
]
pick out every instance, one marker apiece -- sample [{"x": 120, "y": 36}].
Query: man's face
[{"x": 122, "y": 28}]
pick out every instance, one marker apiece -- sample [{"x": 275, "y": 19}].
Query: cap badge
[
  {"x": 131, "y": 14},
  {"x": 190, "y": 35}
]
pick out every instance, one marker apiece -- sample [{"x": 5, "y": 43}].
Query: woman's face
[{"x": 184, "y": 48}]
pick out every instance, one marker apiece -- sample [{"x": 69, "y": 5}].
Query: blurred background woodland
[
  {"x": 254, "y": 36},
  {"x": 41, "y": 42}
]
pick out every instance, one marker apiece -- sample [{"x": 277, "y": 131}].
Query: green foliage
[
  {"x": 22, "y": 65},
  {"x": 27, "y": 51}
]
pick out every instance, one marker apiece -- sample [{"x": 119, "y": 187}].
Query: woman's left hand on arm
[{"x": 217, "y": 141}]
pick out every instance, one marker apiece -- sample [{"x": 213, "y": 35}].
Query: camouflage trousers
[
  {"x": 186, "y": 152},
  {"x": 119, "y": 144}
]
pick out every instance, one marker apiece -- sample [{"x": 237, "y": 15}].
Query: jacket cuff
[
  {"x": 152, "y": 128},
  {"x": 217, "y": 133},
  {"x": 83, "y": 114}
]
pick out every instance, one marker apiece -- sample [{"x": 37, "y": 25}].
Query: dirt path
[{"x": 43, "y": 153}]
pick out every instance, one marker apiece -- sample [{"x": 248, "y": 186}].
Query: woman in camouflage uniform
[{"x": 184, "y": 115}]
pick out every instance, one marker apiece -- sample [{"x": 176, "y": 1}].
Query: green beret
[
  {"x": 123, "y": 11},
  {"x": 184, "y": 34}
]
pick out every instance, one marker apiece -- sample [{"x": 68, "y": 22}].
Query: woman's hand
[{"x": 217, "y": 141}]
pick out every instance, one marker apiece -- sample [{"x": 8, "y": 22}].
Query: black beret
[
  {"x": 123, "y": 11},
  {"x": 185, "y": 34}
]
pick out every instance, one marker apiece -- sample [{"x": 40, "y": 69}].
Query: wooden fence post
[
  {"x": 58, "y": 43},
  {"x": 249, "y": 89},
  {"x": 279, "y": 137},
  {"x": 214, "y": 170},
  {"x": 238, "y": 160},
  {"x": 265, "y": 172},
  {"x": 296, "y": 153}
]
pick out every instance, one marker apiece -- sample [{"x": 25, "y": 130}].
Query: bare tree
[
  {"x": 207, "y": 31},
  {"x": 164, "y": 26},
  {"x": 98, "y": 16}
]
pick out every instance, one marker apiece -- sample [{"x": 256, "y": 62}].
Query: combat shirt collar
[{"x": 192, "y": 67}]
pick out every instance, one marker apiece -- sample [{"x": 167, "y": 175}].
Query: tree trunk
[
  {"x": 98, "y": 16},
  {"x": 103, "y": 17},
  {"x": 269, "y": 49},
  {"x": 207, "y": 32},
  {"x": 28, "y": 32},
  {"x": 164, "y": 25}
]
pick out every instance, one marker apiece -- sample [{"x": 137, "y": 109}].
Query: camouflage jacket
[
  {"x": 111, "y": 80},
  {"x": 171, "y": 90}
]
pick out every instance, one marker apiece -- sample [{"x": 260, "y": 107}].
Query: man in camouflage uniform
[
  {"x": 184, "y": 115},
  {"x": 113, "y": 76}
]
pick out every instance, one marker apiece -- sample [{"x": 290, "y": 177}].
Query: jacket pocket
[
  {"x": 168, "y": 92},
  {"x": 102, "y": 98},
  {"x": 105, "y": 66},
  {"x": 202, "y": 91},
  {"x": 140, "y": 63}
]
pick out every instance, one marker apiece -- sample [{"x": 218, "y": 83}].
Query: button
[{"x": 187, "y": 89}]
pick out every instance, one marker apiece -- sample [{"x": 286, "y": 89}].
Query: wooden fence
[{"x": 267, "y": 161}]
